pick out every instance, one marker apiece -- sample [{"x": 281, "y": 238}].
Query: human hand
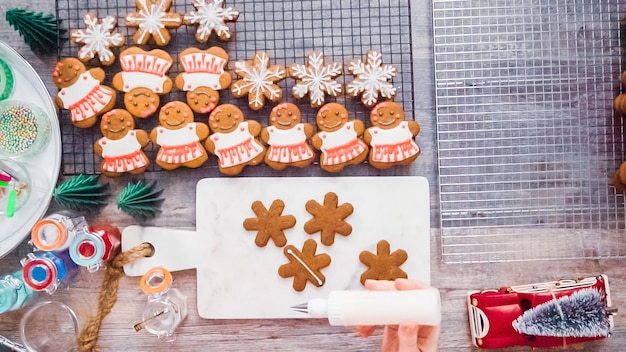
[{"x": 406, "y": 337}]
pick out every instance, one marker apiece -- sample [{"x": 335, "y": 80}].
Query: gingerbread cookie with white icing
[
  {"x": 287, "y": 138},
  {"x": 211, "y": 16},
  {"x": 391, "y": 137},
  {"x": 81, "y": 91},
  {"x": 179, "y": 137},
  {"x": 304, "y": 266},
  {"x": 122, "y": 144},
  {"x": 234, "y": 140},
  {"x": 371, "y": 79},
  {"x": 142, "y": 79},
  {"x": 153, "y": 19},
  {"x": 317, "y": 78},
  {"x": 258, "y": 80},
  {"x": 338, "y": 138},
  {"x": 204, "y": 74},
  {"x": 97, "y": 39}
]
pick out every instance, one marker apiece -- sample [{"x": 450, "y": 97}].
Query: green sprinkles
[
  {"x": 18, "y": 129},
  {"x": 6, "y": 80}
]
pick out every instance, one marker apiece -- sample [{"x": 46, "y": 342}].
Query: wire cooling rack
[
  {"x": 287, "y": 30},
  {"x": 527, "y": 137}
]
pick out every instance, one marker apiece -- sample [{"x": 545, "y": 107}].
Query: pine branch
[
  {"x": 140, "y": 200},
  {"x": 81, "y": 192},
  {"x": 41, "y": 32}
]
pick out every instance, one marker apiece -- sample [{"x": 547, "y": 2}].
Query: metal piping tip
[{"x": 302, "y": 308}]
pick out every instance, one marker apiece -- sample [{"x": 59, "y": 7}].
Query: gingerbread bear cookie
[
  {"x": 258, "y": 80},
  {"x": 142, "y": 79},
  {"x": 338, "y": 138},
  {"x": 304, "y": 266},
  {"x": 316, "y": 78},
  {"x": 153, "y": 19},
  {"x": 371, "y": 79},
  {"x": 391, "y": 137},
  {"x": 383, "y": 265},
  {"x": 328, "y": 218},
  {"x": 269, "y": 223},
  {"x": 122, "y": 144},
  {"x": 179, "y": 137},
  {"x": 97, "y": 39},
  {"x": 287, "y": 138},
  {"x": 211, "y": 16},
  {"x": 204, "y": 75},
  {"x": 234, "y": 140},
  {"x": 81, "y": 91}
]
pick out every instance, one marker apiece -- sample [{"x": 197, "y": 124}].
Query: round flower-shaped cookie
[
  {"x": 338, "y": 138},
  {"x": 287, "y": 138},
  {"x": 179, "y": 137},
  {"x": 122, "y": 144},
  {"x": 234, "y": 140},
  {"x": 391, "y": 137}
]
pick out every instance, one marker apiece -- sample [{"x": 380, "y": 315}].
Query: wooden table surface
[{"x": 197, "y": 334}]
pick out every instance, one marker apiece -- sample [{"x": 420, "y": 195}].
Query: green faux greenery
[
  {"x": 81, "y": 192},
  {"x": 140, "y": 200},
  {"x": 41, "y": 32}
]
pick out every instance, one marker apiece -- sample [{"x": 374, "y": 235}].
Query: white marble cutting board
[{"x": 239, "y": 280}]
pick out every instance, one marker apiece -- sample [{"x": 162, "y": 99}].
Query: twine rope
[{"x": 108, "y": 294}]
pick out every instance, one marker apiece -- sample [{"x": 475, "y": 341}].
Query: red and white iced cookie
[
  {"x": 97, "y": 39},
  {"x": 287, "y": 138},
  {"x": 371, "y": 79},
  {"x": 211, "y": 16},
  {"x": 142, "y": 79},
  {"x": 179, "y": 137},
  {"x": 204, "y": 74},
  {"x": 234, "y": 140},
  {"x": 153, "y": 19},
  {"x": 338, "y": 138},
  {"x": 391, "y": 137},
  {"x": 81, "y": 92},
  {"x": 122, "y": 144}
]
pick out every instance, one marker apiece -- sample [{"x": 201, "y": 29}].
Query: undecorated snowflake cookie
[
  {"x": 371, "y": 79},
  {"x": 316, "y": 78},
  {"x": 258, "y": 80},
  {"x": 97, "y": 39},
  {"x": 211, "y": 16}
]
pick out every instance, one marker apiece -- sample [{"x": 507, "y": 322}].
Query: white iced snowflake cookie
[
  {"x": 153, "y": 20},
  {"x": 258, "y": 80},
  {"x": 371, "y": 79},
  {"x": 211, "y": 16},
  {"x": 316, "y": 78},
  {"x": 97, "y": 39}
]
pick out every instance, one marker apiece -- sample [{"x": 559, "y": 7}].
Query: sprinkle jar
[{"x": 24, "y": 129}]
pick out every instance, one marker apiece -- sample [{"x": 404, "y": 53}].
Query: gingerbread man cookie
[
  {"x": 142, "y": 79},
  {"x": 204, "y": 75},
  {"x": 316, "y": 78},
  {"x": 81, "y": 91},
  {"x": 391, "y": 136},
  {"x": 179, "y": 137},
  {"x": 258, "y": 80},
  {"x": 304, "y": 266},
  {"x": 211, "y": 16},
  {"x": 234, "y": 140},
  {"x": 122, "y": 144},
  {"x": 371, "y": 79},
  {"x": 287, "y": 138},
  {"x": 383, "y": 265},
  {"x": 97, "y": 39},
  {"x": 338, "y": 138},
  {"x": 153, "y": 20}
]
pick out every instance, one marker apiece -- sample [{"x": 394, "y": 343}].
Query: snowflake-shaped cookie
[
  {"x": 258, "y": 80},
  {"x": 153, "y": 19},
  {"x": 211, "y": 16},
  {"x": 97, "y": 38},
  {"x": 383, "y": 265},
  {"x": 371, "y": 79},
  {"x": 269, "y": 223},
  {"x": 316, "y": 78},
  {"x": 328, "y": 218},
  {"x": 304, "y": 266}
]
